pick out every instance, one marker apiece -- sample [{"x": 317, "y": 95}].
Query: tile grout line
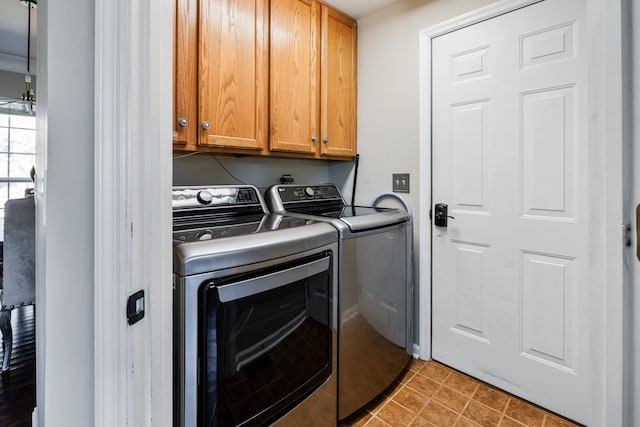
[{"x": 504, "y": 411}]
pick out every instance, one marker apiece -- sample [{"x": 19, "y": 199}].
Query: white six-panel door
[{"x": 509, "y": 117}]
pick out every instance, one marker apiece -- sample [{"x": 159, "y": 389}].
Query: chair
[{"x": 18, "y": 275}]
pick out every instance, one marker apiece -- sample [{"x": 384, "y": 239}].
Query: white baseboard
[{"x": 416, "y": 351}]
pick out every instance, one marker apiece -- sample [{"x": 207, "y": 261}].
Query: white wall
[
  {"x": 388, "y": 116},
  {"x": 208, "y": 169},
  {"x": 64, "y": 204}
]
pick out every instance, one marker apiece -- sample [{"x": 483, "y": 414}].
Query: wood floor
[{"x": 18, "y": 384}]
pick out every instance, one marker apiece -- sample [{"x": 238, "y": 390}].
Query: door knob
[
  {"x": 441, "y": 216},
  {"x": 205, "y": 125}
]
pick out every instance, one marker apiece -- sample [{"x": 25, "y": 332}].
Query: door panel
[
  {"x": 548, "y": 283},
  {"x": 510, "y": 160},
  {"x": 547, "y": 153},
  {"x": 295, "y": 27},
  {"x": 469, "y": 155},
  {"x": 185, "y": 81},
  {"x": 233, "y": 70},
  {"x": 338, "y": 87}
]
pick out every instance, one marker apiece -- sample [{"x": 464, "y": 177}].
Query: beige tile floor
[{"x": 431, "y": 394}]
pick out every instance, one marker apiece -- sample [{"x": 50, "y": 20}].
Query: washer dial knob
[
  {"x": 205, "y": 235},
  {"x": 204, "y": 197},
  {"x": 309, "y": 191}
]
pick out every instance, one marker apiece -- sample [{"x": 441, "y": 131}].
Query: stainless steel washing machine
[
  {"x": 375, "y": 287},
  {"x": 254, "y": 312}
]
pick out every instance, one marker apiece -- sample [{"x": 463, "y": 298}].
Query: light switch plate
[{"x": 400, "y": 183}]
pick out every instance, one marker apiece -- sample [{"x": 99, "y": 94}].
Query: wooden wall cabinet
[
  {"x": 294, "y": 78},
  {"x": 312, "y": 79},
  {"x": 265, "y": 77},
  {"x": 185, "y": 76},
  {"x": 338, "y": 84},
  {"x": 221, "y": 75}
]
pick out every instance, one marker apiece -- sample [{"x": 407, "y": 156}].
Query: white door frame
[
  {"x": 133, "y": 179},
  {"x": 605, "y": 148}
]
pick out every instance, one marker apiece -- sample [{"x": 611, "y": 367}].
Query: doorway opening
[{"x": 17, "y": 262}]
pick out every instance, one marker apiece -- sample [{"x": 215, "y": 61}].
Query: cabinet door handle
[
  {"x": 183, "y": 122},
  {"x": 314, "y": 138},
  {"x": 205, "y": 125},
  {"x": 325, "y": 140}
]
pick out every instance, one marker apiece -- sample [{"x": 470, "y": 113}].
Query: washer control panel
[
  {"x": 300, "y": 193},
  {"x": 215, "y": 196},
  {"x": 285, "y": 197}
]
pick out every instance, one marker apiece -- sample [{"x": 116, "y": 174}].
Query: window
[{"x": 17, "y": 157}]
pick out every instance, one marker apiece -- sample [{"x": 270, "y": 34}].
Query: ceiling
[
  {"x": 359, "y": 8},
  {"x": 13, "y": 28},
  {"x": 13, "y": 36}
]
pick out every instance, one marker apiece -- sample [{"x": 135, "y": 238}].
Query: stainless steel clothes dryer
[
  {"x": 254, "y": 312},
  {"x": 375, "y": 287}
]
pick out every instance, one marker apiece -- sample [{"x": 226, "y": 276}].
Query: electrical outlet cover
[{"x": 400, "y": 182}]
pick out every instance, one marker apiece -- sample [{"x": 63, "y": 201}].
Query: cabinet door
[
  {"x": 294, "y": 76},
  {"x": 185, "y": 84},
  {"x": 233, "y": 73},
  {"x": 338, "y": 71}
]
